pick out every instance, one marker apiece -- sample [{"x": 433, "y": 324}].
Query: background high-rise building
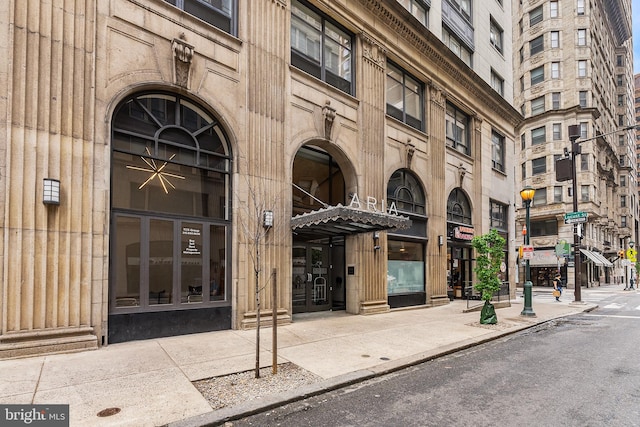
[{"x": 573, "y": 66}]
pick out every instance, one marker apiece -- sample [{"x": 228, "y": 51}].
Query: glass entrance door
[{"x": 312, "y": 278}]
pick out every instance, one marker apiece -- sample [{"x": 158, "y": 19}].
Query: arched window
[
  {"x": 170, "y": 216},
  {"x": 166, "y": 145},
  {"x": 406, "y": 192},
  {"x": 406, "y": 248},
  {"x": 458, "y": 207}
]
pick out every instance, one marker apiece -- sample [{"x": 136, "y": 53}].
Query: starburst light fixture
[{"x": 156, "y": 172}]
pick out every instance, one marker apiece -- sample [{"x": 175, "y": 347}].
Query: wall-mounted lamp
[
  {"x": 376, "y": 241},
  {"x": 440, "y": 240},
  {"x": 267, "y": 219},
  {"x": 51, "y": 193}
]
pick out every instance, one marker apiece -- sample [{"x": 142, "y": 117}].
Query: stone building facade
[
  {"x": 573, "y": 66},
  {"x": 216, "y": 158}
]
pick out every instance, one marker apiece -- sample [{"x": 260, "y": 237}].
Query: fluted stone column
[
  {"x": 50, "y": 284},
  {"x": 261, "y": 170},
  {"x": 368, "y": 287},
  {"x": 437, "y": 191}
]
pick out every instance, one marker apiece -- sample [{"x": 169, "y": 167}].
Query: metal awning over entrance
[
  {"x": 605, "y": 261},
  {"x": 592, "y": 257},
  {"x": 596, "y": 258},
  {"x": 342, "y": 221}
]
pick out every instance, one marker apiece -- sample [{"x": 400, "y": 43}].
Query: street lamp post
[{"x": 527, "y": 196}]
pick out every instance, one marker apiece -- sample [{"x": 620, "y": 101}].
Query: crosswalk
[
  {"x": 592, "y": 296},
  {"x": 611, "y": 302}
]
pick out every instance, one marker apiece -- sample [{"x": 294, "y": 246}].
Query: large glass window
[
  {"x": 405, "y": 267},
  {"x": 582, "y": 37},
  {"x": 497, "y": 151},
  {"x": 535, "y": 16},
  {"x": 456, "y": 46},
  {"x": 538, "y": 135},
  {"x": 406, "y": 192},
  {"x": 584, "y": 193},
  {"x": 458, "y": 207},
  {"x": 170, "y": 192},
  {"x": 321, "y": 47},
  {"x": 536, "y": 45},
  {"x": 540, "y": 197},
  {"x": 547, "y": 227},
  {"x": 462, "y": 6},
  {"x": 404, "y": 97},
  {"x": 406, "y": 261},
  {"x": 555, "y": 70},
  {"x": 537, "y": 105},
  {"x": 457, "y": 130},
  {"x": 497, "y": 83},
  {"x": 582, "y": 68},
  {"x": 219, "y": 13},
  {"x": 495, "y": 35},
  {"x": 584, "y": 162},
  {"x": 418, "y": 9},
  {"x": 539, "y": 166},
  {"x": 537, "y": 75},
  {"x": 557, "y": 194},
  {"x": 499, "y": 213}
]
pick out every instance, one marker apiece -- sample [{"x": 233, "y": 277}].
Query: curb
[{"x": 223, "y": 415}]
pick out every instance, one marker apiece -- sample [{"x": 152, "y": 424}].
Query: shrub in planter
[{"x": 489, "y": 255}]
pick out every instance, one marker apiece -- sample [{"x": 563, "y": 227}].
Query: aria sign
[{"x": 371, "y": 205}]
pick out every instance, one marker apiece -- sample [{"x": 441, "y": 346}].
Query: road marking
[
  {"x": 612, "y": 315},
  {"x": 638, "y": 307},
  {"x": 614, "y": 305}
]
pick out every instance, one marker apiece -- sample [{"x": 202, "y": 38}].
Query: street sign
[
  {"x": 575, "y": 217},
  {"x": 563, "y": 249},
  {"x": 527, "y": 252},
  {"x": 631, "y": 254}
]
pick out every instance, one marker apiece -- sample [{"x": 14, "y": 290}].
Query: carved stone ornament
[
  {"x": 182, "y": 56},
  {"x": 462, "y": 171},
  {"x": 373, "y": 51},
  {"x": 410, "y": 151},
  {"x": 437, "y": 96},
  {"x": 329, "y": 114}
]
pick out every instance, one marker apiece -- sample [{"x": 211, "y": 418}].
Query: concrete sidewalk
[{"x": 150, "y": 381}]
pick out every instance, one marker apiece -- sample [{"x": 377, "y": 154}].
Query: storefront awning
[
  {"x": 605, "y": 261},
  {"x": 593, "y": 257},
  {"x": 342, "y": 220}
]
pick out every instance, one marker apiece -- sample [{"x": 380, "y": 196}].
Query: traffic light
[{"x": 621, "y": 254}]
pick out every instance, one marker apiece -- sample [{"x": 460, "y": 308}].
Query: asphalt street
[{"x": 579, "y": 370}]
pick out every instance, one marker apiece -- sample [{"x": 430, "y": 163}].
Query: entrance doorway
[
  {"x": 459, "y": 271},
  {"x": 317, "y": 279}
]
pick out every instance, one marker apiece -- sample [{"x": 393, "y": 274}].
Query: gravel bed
[{"x": 233, "y": 389}]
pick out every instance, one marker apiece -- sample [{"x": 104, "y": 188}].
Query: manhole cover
[{"x": 108, "y": 412}]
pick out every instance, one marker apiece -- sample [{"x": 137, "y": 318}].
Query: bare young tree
[{"x": 256, "y": 226}]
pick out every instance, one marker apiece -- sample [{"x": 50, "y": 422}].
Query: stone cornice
[{"x": 440, "y": 55}]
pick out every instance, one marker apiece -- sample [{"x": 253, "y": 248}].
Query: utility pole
[{"x": 574, "y": 135}]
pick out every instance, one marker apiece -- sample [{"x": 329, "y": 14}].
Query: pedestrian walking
[{"x": 557, "y": 286}]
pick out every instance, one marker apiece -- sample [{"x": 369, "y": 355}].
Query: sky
[{"x": 635, "y": 20}]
